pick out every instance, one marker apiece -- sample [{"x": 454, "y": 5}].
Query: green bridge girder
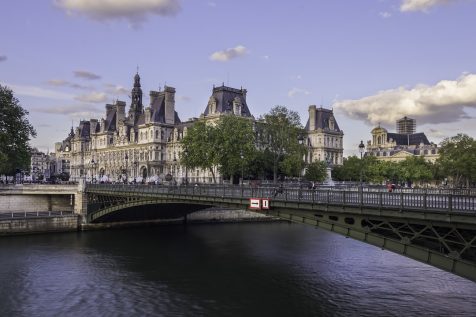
[{"x": 442, "y": 237}]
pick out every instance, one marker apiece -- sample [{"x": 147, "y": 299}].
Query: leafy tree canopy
[
  {"x": 316, "y": 171},
  {"x": 458, "y": 159},
  {"x": 15, "y": 133},
  {"x": 279, "y": 133}
]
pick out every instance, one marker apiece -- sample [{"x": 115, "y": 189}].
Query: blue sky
[{"x": 372, "y": 61}]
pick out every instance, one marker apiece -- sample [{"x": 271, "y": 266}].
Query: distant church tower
[{"x": 136, "y": 105}]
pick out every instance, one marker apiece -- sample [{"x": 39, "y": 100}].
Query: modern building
[
  {"x": 397, "y": 147},
  {"x": 324, "y": 137}
]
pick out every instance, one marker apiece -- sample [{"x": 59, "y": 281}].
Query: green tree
[
  {"x": 236, "y": 145},
  {"x": 15, "y": 133},
  {"x": 415, "y": 169},
  {"x": 279, "y": 134},
  {"x": 316, "y": 171},
  {"x": 350, "y": 169},
  {"x": 458, "y": 159},
  {"x": 199, "y": 147}
]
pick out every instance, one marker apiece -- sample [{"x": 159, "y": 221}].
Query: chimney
[
  {"x": 153, "y": 95},
  {"x": 169, "y": 105},
  {"x": 312, "y": 117},
  {"x": 121, "y": 111},
  {"x": 93, "y": 126},
  {"x": 147, "y": 115},
  {"x": 109, "y": 108}
]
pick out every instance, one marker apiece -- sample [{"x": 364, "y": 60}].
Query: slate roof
[
  {"x": 158, "y": 112},
  {"x": 224, "y": 97},
  {"x": 408, "y": 139},
  {"x": 322, "y": 120}
]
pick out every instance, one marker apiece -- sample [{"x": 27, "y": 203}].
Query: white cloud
[
  {"x": 3, "y": 58},
  {"x": 65, "y": 83},
  {"x": 385, "y": 15},
  {"x": 297, "y": 91},
  {"x": 183, "y": 98},
  {"x": 135, "y": 11},
  {"x": 116, "y": 89},
  {"x": 421, "y": 5},
  {"x": 94, "y": 97},
  {"x": 73, "y": 110},
  {"x": 228, "y": 54},
  {"x": 33, "y": 91},
  {"x": 86, "y": 75},
  {"x": 444, "y": 102}
]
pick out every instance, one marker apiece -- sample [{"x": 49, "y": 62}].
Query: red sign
[{"x": 255, "y": 203}]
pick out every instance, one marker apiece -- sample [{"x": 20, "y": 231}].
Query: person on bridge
[{"x": 278, "y": 190}]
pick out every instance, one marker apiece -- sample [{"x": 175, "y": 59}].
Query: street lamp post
[
  {"x": 186, "y": 170},
  {"x": 127, "y": 159},
  {"x": 242, "y": 161},
  {"x": 93, "y": 165},
  {"x": 361, "y": 150},
  {"x": 135, "y": 170}
]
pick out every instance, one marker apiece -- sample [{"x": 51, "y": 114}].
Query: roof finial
[{"x": 137, "y": 72}]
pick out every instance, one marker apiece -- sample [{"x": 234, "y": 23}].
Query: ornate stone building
[
  {"x": 144, "y": 144},
  {"x": 324, "y": 137},
  {"x": 398, "y": 146},
  {"x": 39, "y": 165}
]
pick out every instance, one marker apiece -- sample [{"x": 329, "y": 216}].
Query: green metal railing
[{"x": 423, "y": 201}]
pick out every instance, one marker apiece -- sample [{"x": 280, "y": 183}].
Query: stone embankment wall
[
  {"x": 226, "y": 215},
  {"x": 34, "y": 203},
  {"x": 39, "y": 225}
]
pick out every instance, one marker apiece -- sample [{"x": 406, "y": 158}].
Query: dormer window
[{"x": 237, "y": 106}]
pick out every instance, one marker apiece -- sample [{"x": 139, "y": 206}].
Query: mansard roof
[
  {"x": 224, "y": 97},
  {"x": 110, "y": 121},
  {"x": 408, "y": 139},
  {"x": 157, "y": 110},
  {"x": 322, "y": 118},
  {"x": 84, "y": 129}
]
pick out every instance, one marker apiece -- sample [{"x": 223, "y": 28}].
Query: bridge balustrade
[{"x": 353, "y": 197}]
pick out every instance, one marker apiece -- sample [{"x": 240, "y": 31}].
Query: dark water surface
[{"x": 220, "y": 270}]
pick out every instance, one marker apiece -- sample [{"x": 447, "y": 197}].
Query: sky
[{"x": 371, "y": 61}]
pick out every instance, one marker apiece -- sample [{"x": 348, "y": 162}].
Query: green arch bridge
[{"x": 434, "y": 227}]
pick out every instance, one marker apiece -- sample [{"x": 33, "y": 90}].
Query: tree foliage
[
  {"x": 236, "y": 144},
  {"x": 458, "y": 159},
  {"x": 316, "y": 171},
  {"x": 221, "y": 145},
  {"x": 199, "y": 147},
  {"x": 15, "y": 133},
  {"x": 279, "y": 133}
]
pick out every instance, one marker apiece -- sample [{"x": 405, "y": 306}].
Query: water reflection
[{"x": 220, "y": 270}]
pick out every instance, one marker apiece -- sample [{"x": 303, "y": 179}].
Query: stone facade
[
  {"x": 324, "y": 137},
  {"x": 39, "y": 166},
  {"x": 397, "y": 147},
  {"x": 144, "y": 145}
]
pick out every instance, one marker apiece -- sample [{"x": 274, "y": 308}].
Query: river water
[{"x": 266, "y": 269}]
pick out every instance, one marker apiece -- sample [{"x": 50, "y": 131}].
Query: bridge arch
[{"x": 141, "y": 210}]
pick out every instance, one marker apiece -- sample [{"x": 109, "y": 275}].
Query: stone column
[{"x": 81, "y": 201}]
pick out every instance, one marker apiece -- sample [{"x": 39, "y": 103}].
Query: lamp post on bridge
[
  {"x": 186, "y": 169},
  {"x": 93, "y": 165},
  {"x": 242, "y": 161},
  {"x": 361, "y": 150},
  {"x": 127, "y": 159}
]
